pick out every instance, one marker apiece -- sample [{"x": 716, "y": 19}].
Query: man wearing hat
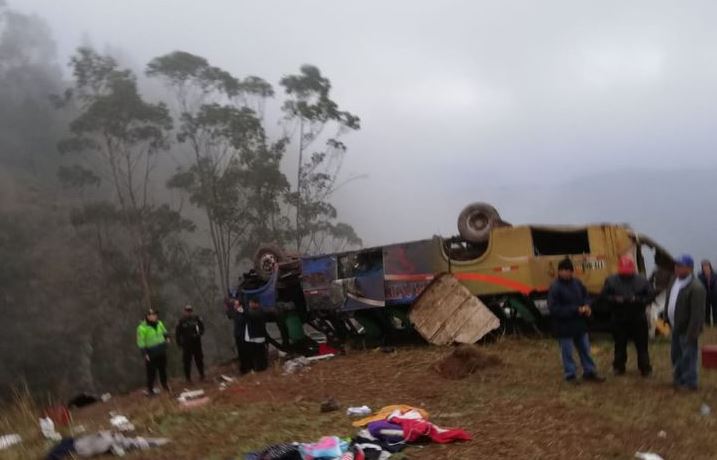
[
  {"x": 685, "y": 310},
  {"x": 629, "y": 293},
  {"x": 569, "y": 309},
  {"x": 152, "y": 338},
  {"x": 189, "y": 333}
]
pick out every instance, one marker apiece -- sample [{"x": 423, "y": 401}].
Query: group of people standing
[
  {"x": 153, "y": 339},
  {"x": 250, "y": 336},
  {"x": 690, "y": 300}
]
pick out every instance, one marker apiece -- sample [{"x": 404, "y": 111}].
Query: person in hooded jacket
[
  {"x": 152, "y": 339},
  {"x": 188, "y": 335},
  {"x": 709, "y": 280},
  {"x": 569, "y": 309},
  {"x": 628, "y": 294}
]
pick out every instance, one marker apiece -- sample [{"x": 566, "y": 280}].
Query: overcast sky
[{"x": 459, "y": 100}]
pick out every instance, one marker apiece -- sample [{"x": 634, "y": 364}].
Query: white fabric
[
  {"x": 249, "y": 339},
  {"x": 672, "y": 302}
]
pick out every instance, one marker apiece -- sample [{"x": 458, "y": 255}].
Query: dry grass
[{"x": 518, "y": 409}]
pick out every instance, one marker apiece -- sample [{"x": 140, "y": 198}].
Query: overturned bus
[{"x": 368, "y": 293}]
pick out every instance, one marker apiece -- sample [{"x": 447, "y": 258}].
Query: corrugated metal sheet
[{"x": 447, "y": 312}]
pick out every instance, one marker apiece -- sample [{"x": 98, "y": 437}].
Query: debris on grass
[
  {"x": 295, "y": 365},
  {"x": 47, "y": 427},
  {"x": 360, "y": 411},
  {"x": 464, "y": 361},
  {"x": 120, "y": 422},
  {"x": 647, "y": 456},
  {"x": 330, "y": 405},
  {"x": 193, "y": 399},
  {"x": 9, "y": 440}
]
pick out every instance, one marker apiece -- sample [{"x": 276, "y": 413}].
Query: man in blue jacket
[{"x": 569, "y": 308}]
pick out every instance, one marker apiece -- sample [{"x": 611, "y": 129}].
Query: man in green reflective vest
[{"x": 152, "y": 339}]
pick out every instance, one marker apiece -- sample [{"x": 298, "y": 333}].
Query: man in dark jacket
[
  {"x": 685, "y": 309},
  {"x": 709, "y": 281},
  {"x": 235, "y": 312},
  {"x": 568, "y": 305},
  {"x": 188, "y": 334},
  {"x": 250, "y": 335},
  {"x": 628, "y": 294}
]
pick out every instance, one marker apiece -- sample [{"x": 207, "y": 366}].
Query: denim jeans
[
  {"x": 582, "y": 343},
  {"x": 684, "y": 361}
]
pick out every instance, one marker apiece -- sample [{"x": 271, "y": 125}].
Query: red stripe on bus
[{"x": 497, "y": 280}]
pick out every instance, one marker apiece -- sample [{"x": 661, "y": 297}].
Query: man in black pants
[
  {"x": 189, "y": 333},
  {"x": 629, "y": 293},
  {"x": 250, "y": 335}
]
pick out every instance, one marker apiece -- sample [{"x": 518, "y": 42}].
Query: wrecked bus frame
[{"x": 368, "y": 293}]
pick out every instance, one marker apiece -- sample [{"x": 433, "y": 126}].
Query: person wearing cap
[
  {"x": 569, "y": 310},
  {"x": 152, "y": 339},
  {"x": 628, "y": 294},
  {"x": 188, "y": 334},
  {"x": 709, "y": 282},
  {"x": 685, "y": 309}
]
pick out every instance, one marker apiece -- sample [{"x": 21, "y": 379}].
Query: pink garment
[{"x": 415, "y": 427}]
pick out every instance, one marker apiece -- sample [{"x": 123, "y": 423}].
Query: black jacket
[
  {"x": 628, "y": 296},
  {"x": 711, "y": 289},
  {"x": 254, "y": 321},
  {"x": 189, "y": 330},
  {"x": 564, "y": 299},
  {"x": 689, "y": 310}
]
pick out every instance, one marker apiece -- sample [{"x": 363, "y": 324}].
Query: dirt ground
[{"x": 519, "y": 408}]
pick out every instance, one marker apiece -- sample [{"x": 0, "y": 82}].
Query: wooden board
[{"x": 447, "y": 312}]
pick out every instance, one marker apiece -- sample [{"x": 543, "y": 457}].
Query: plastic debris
[
  {"x": 192, "y": 399},
  {"x": 226, "y": 379},
  {"x": 360, "y": 411},
  {"x": 705, "y": 410},
  {"x": 9, "y": 440},
  {"x": 190, "y": 395},
  {"x": 47, "y": 426},
  {"x": 662, "y": 434},
  {"x": 79, "y": 429},
  {"x": 647, "y": 456},
  {"x": 120, "y": 422},
  {"x": 106, "y": 397},
  {"x": 102, "y": 442},
  {"x": 312, "y": 359},
  {"x": 295, "y": 365}
]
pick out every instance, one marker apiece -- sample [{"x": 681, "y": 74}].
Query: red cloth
[
  {"x": 415, "y": 429},
  {"x": 626, "y": 266}
]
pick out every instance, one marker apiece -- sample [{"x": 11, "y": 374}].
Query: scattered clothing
[
  {"x": 384, "y": 430},
  {"x": 100, "y": 443},
  {"x": 65, "y": 448},
  {"x": 385, "y": 412},
  {"x": 415, "y": 427},
  {"x": 327, "y": 447},
  {"x": 106, "y": 441}
]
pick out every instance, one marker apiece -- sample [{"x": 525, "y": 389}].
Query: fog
[{"x": 465, "y": 101}]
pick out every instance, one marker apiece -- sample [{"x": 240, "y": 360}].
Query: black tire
[
  {"x": 476, "y": 221},
  {"x": 266, "y": 258}
]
